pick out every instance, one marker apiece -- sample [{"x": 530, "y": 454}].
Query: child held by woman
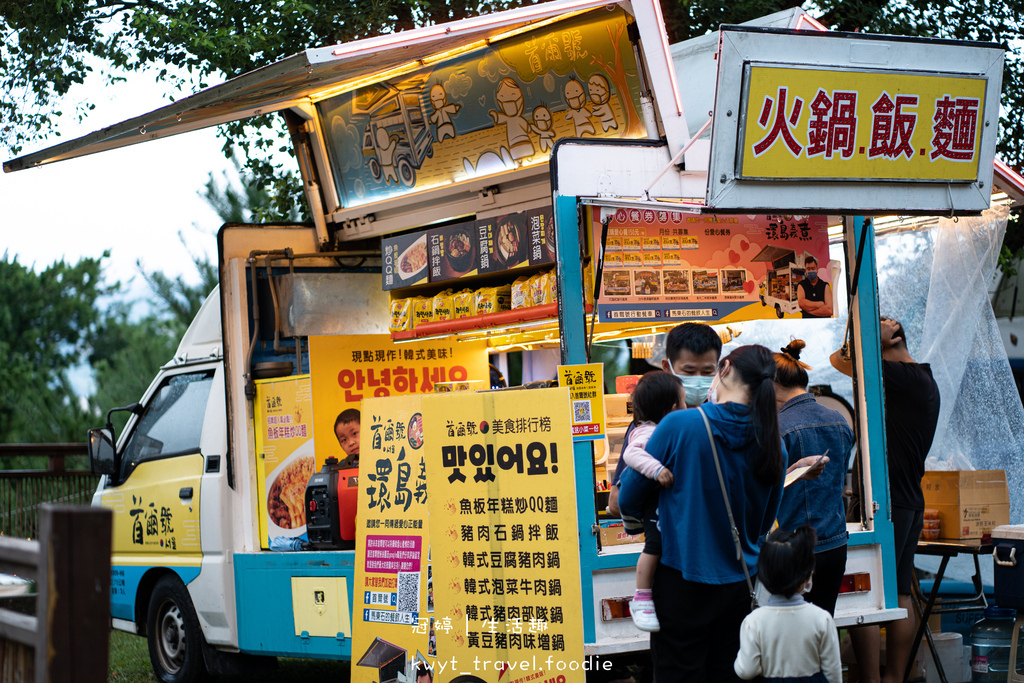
[
  {"x": 789, "y": 639},
  {"x": 656, "y": 395}
]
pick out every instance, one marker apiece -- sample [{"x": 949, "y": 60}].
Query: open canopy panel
[{"x": 311, "y": 76}]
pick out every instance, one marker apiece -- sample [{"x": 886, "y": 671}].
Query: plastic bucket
[{"x": 950, "y": 648}]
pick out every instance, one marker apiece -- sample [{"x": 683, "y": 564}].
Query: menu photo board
[
  {"x": 486, "y": 245},
  {"x": 667, "y": 266},
  {"x": 285, "y": 457}
]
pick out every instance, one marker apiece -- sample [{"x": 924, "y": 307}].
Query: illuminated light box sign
[
  {"x": 496, "y": 109},
  {"x": 813, "y": 123},
  {"x": 862, "y": 125},
  {"x": 665, "y": 266},
  {"x": 487, "y": 245}
]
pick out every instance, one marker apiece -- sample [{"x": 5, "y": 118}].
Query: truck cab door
[{"x": 155, "y": 496}]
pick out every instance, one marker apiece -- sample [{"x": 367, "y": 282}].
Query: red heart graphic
[
  {"x": 733, "y": 256},
  {"x": 749, "y": 286},
  {"x": 744, "y": 244}
]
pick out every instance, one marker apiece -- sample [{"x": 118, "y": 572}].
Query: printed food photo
[
  {"x": 286, "y": 495},
  {"x": 414, "y": 259},
  {"x": 459, "y": 251}
]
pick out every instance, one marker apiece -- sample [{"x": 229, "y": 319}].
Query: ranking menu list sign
[{"x": 503, "y": 529}]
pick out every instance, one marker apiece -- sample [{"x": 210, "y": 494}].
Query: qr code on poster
[
  {"x": 581, "y": 412},
  {"x": 408, "y": 592}
]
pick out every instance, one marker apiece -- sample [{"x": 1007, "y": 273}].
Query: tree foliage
[
  {"x": 65, "y": 321},
  {"x": 49, "y": 45},
  {"x": 47, "y": 320}
]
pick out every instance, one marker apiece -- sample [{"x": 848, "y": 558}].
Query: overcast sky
[{"x": 133, "y": 201}]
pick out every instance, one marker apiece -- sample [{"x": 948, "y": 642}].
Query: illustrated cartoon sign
[
  {"x": 495, "y": 109},
  {"x": 668, "y": 266},
  {"x": 503, "y": 530}
]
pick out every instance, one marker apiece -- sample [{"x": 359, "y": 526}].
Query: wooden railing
[
  {"x": 49, "y": 480},
  {"x": 67, "y": 639}
]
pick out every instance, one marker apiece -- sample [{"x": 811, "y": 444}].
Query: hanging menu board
[
  {"x": 667, "y": 265},
  {"x": 487, "y": 245}
]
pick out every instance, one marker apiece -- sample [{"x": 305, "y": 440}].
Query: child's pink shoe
[{"x": 644, "y": 616}]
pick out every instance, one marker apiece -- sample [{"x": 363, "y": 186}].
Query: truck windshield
[{"x": 172, "y": 423}]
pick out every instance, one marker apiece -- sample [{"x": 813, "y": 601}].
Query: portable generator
[{"x": 331, "y": 507}]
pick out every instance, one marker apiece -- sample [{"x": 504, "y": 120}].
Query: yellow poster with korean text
[
  {"x": 871, "y": 125},
  {"x": 284, "y": 455},
  {"x": 503, "y": 524},
  {"x": 586, "y": 394},
  {"x": 392, "y": 595},
  {"x": 346, "y": 369}
]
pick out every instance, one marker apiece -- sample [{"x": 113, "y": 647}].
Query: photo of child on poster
[{"x": 346, "y": 428}]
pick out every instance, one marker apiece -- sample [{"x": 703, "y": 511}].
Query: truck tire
[
  {"x": 778, "y": 310},
  {"x": 175, "y": 638}
]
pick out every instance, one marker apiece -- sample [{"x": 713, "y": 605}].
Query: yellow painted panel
[
  {"x": 320, "y": 605},
  {"x": 151, "y": 519}
]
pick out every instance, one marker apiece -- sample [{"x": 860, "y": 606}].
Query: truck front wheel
[{"x": 175, "y": 639}]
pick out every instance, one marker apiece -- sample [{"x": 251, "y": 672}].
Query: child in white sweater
[
  {"x": 656, "y": 395},
  {"x": 789, "y": 639}
]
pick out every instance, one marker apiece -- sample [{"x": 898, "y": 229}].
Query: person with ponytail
[
  {"x": 700, "y": 590},
  {"x": 809, "y": 429}
]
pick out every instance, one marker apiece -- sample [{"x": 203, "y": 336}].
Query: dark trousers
[
  {"x": 829, "y": 569},
  {"x": 700, "y": 628}
]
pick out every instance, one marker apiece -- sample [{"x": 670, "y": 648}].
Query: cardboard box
[
  {"x": 971, "y": 503},
  {"x": 616, "y": 535}
]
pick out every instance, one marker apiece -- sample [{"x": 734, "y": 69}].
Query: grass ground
[{"x": 129, "y": 663}]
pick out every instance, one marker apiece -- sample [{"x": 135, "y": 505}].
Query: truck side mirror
[{"x": 102, "y": 453}]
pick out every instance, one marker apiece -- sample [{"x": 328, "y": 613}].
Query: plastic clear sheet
[
  {"x": 935, "y": 282},
  {"x": 981, "y": 423}
]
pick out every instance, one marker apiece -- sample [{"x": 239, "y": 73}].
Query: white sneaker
[{"x": 644, "y": 617}]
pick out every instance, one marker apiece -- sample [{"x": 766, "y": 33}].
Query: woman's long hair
[{"x": 755, "y": 366}]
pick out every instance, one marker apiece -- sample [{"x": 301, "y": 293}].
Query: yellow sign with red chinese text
[
  {"x": 346, "y": 369},
  {"x": 586, "y": 394},
  {"x": 803, "y": 123},
  {"x": 504, "y": 529},
  {"x": 284, "y": 455},
  {"x": 393, "y": 592}
]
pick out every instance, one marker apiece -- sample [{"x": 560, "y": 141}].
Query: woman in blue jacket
[
  {"x": 811, "y": 429},
  {"x": 700, "y": 593}
]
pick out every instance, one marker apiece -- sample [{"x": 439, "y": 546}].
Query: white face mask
[
  {"x": 713, "y": 391},
  {"x": 696, "y": 386},
  {"x": 810, "y": 584}
]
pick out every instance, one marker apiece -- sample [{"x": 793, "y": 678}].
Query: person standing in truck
[
  {"x": 691, "y": 355},
  {"x": 911, "y": 416}
]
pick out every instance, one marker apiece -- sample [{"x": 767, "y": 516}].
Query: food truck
[{"x": 326, "y": 395}]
